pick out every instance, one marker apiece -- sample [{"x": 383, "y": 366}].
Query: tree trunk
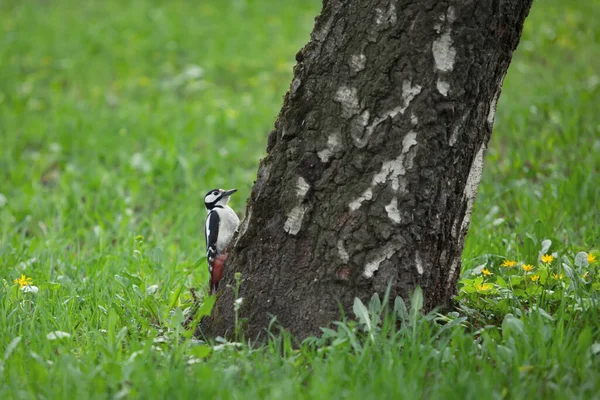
[{"x": 373, "y": 166}]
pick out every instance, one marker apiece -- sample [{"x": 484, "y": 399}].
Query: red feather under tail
[{"x": 217, "y": 272}]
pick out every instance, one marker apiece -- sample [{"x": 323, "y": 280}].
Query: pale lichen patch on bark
[
  {"x": 451, "y": 15},
  {"x": 392, "y": 211},
  {"x": 348, "y": 98},
  {"x": 357, "y": 62},
  {"x": 453, "y": 268},
  {"x": 302, "y": 188},
  {"x": 414, "y": 120},
  {"x": 454, "y": 135},
  {"x": 359, "y": 134},
  {"x": 471, "y": 186},
  {"x": 419, "y": 263},
  {"x": 379, "y": 16},
  {"x": 443, "y": 52},
  {"x": 443, "y": 257},
  {"x": 454, "y": 231},
  {"x": 409, "y": 141},
  {"x": 443, "y": 87},
  {"x": 361, "y": 130},
  {"x": 334, "y": 143},
  {"x": 391, "y": 13},
  {"x": 294, "y": 220},
  {"x": 325, "y": 154},
  {"x": 390, "y": 171},
  {"x": 367, "y": 195},
  {"x": 459, "y": 227},
  {"x": 296, "y": 82},
  {"x": 372, "y": 266},
  {"x": 408, "y": 94},
  {"x": 457, "y": 128},
  {"x": 386, "y": 16},
  {"x": 448, "y": 18},
  {"x": 342, "y": 252},
  {"x": 492, "y": 113},
  {"x": 362, "y": 140}
]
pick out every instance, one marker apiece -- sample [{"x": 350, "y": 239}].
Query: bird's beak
[{"x": 228, "y": 193}]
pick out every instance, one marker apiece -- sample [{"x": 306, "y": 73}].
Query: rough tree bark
[{"x": 373, "y": 166}]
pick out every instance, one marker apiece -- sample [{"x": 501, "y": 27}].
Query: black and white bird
[{"x": 221, "y": 224}]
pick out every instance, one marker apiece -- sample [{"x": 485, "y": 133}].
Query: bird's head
[{"x": 217, "y": 197}]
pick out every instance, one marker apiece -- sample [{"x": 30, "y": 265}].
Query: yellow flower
[
  {"x": 591, "y": 258},
  {"x": 484, "y": 286},
  {"x": 557, "y": 276},
  {"x": 535, "y": 278},
  {"x": 23, "y": 281},
  {"x": 486, "y": 271},
  {"x": 547, "y": 258},
  {"x": 508, "y": 264},
  {"x": 527, "y": 267}
]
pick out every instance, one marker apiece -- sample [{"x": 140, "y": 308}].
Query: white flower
[
  {"x": 57, "y": 335},
  {"x": 55, "y": 147},
  {"x": 151, "y": 289},
  {"x": 193, "y": 72},
  {"x": 30, "y": 289},
  {"x": 97, "y": 230},
  {"x": 3, "y": 200},
  {"x": 140, "y": 163}
]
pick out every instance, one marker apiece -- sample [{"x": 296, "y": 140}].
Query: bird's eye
[{"x": 215, "y": 193}]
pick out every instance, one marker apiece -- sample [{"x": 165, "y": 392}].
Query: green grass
[{"x": 115, "y": 119}]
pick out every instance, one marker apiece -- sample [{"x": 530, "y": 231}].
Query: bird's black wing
[{"x": 211, "y": 232}]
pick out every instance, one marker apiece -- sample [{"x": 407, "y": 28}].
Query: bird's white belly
[{"x": 228, "y": 225}]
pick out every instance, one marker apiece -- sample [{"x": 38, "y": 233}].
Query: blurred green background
[{"x": 116, "y": 117}]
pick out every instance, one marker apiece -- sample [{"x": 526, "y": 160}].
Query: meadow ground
[{"x": 115, "y": 119}]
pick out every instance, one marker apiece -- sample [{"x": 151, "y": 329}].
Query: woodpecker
[{"x": 221, "y": 224}]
